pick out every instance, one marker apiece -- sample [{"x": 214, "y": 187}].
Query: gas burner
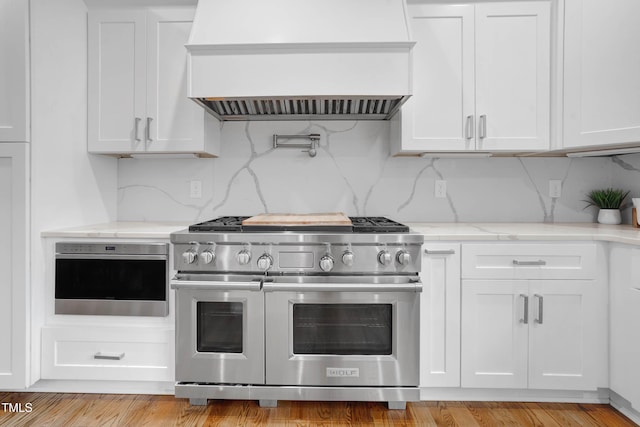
[
  {"x": 361, "y": 224},
  {"x": 377, "y": 224},
  {"x": 223, "y": 223}
]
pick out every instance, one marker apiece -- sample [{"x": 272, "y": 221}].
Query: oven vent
[{"x": 342, "y": 108}]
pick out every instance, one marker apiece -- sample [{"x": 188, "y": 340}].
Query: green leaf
[{"x": 606, "y": 198}]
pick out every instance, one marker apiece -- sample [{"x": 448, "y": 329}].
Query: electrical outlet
[
  {"x": 555, "y": 188},
  {"x": 195, "y": 191},
  {"x": 440, "y": 189}
]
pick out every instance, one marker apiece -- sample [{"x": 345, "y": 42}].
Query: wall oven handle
[
  {"x": 342, "y": 287},
  {"x": 112, "y": 256},
  {"x": 216, "y": 285}
]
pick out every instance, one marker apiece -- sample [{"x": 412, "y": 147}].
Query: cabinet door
[
  {"x": 601, "y": 69},
  {"x": 108, "y": 353},
  {"x": 440, "y": 316},
  {"x": 117, "y": 76},
  {"x": 561, "y": 345},
  {"x": 439, "y": 115},
  {"x": 494, "y": 333},
  {"x": 175, "y": 123},
  {"x": 624, "y": 352},
  {"x": 513, "y": 75},
  {"x": 14, "y": 71},
  {"x": 13, "y": 268}
]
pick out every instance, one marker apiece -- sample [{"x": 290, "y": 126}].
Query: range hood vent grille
[{"x": 285, "y": 108}]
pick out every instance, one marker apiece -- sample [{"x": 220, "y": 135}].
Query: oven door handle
[
  {"x": 215, "y": 285},
  {"x": 342, "y": 287}
]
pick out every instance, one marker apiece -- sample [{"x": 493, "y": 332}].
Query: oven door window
[
  {"x": 342, "y": 329},
  {"x": 111, "y": 279},
  {"x": 220, "y": 327}
]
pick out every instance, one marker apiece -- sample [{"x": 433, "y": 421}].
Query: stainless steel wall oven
[{"x": 103, "y": 278}]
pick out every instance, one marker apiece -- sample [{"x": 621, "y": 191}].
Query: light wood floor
[{"x": 86, "y": 410}]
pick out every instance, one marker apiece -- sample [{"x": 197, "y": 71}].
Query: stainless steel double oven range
[{"x": 274, "y": 313}]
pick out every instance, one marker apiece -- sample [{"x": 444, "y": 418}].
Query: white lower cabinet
[
  {"x": 494, "y": 338},
  {"x": 528, "y": 334},
  {"x": 527, "y": 321},
  {"x": 440, "y": 316},
  {"x": 624, "y": 352},
  {"x": 14, "y": 265},
  {"x": 107, "y": 353}
]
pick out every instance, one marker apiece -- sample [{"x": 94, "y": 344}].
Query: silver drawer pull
[
  {"x": 136, "y": 125},
  {"x": 468, "y": 131},
  {"x": 108, "y": 356},
  {"x": 147, "y": 130},
  {"x": 443, "y": 252},
  {"x": 538, "y": 262},
  {"x": 525, "y": 299},
  {"x": 540, "y": 307},
  {"x": 483, "y": 126}
]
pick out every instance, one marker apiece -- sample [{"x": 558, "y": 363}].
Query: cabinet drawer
[
  {"x": 547, "y": 260},
  {"x": 119, "y": 354}
]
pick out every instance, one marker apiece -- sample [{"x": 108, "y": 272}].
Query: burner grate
[
  {"x": 377, "y": 224},
  {"x": 361, "y": 224},
  {"x": 223, "y": 223}
]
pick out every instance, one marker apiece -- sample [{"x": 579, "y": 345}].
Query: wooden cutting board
[{"x": 332, "y": 218}]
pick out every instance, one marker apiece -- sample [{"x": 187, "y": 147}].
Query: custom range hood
[{"x": 300, "y": 59}]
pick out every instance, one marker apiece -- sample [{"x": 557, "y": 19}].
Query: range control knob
[
  {"x": 348, "y": 258},
  {"x": 208, "y": 256},
  {"x": 265, "y": 262},
  {"x": 384, "y": 258},
  {"x": 243, "y": 257},
  {"x": 403, "y": 257},
  {"x": 190, "y": 256},
  {"x": 326, "y": 263}
]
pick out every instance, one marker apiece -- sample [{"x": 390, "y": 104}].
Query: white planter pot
[{"x": 609, "y": 216}]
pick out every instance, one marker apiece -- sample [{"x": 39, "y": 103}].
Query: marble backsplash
[{"x": 354, "y": 173}]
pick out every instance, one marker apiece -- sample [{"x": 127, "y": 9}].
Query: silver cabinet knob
[
  {"x": 208, "y": 256},
  {"x": 403, "y": 257},
  {"x": 243, "y": 257},
  {"x": 189, "y": 256},
  {"x": 384, "y": 258},
  {"x": 326, "y": 263},
  {"x": 347, "y": 258},
  {"x": 265, "y": 262}
]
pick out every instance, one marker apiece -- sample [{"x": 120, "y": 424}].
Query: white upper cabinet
[
  {"x": 601, "y": 73},
  {"x": 137, "y": 85},
  {"x": 481, "y": 79},
  {"x": 513, "y": 76},
  {"x": 14, "y": 71}
]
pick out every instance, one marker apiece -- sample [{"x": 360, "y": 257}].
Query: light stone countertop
[
  {"x": 120, "y": 229},
  {"x": 432, "y": 231},
  {"x": 527, "y": 231}
]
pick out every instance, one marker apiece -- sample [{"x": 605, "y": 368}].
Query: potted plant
[{"x": 609, "y": 201}]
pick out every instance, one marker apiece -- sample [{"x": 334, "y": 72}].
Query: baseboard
[
  {"x": 624, "y": 406},
  {"x": 600, "y": 395},
  {"x": 102, "y": 387}
]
